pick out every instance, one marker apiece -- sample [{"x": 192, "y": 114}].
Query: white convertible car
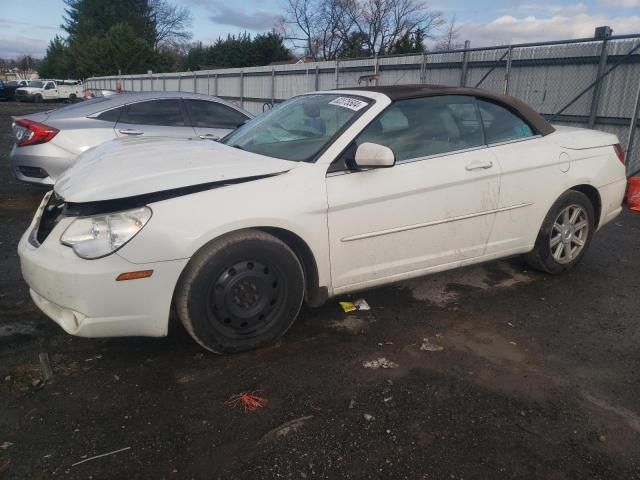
[{"x": 329, "y": 193}]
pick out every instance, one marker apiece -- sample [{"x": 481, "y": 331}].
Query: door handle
[
  {"x": 479, "y": 165},
  {"x": 130, "y": 131},
  {"x": 209, "y": 136}
]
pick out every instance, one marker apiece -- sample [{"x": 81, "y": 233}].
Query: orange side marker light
[{"x": 134, "y": 275}]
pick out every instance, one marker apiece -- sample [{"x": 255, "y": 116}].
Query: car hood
[{"x": 132, "y": 167}]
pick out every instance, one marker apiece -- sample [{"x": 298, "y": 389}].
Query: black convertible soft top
[{"x": 403, "y": 92}]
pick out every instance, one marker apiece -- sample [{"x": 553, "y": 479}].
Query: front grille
[{"x": 51, "y": 215}]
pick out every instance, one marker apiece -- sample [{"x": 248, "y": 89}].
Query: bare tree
[
  {"x": 450, "y": 39},
  {"x": 384, "y": 22},
  {"x": 324, "y": 27},
  {"x": 172, "y": 22},
  {"x": 318, "y": 26}
]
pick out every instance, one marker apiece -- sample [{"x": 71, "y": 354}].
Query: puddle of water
[
  {"x": 435, "y": 288},
  {"x": 18, "y": 329}
]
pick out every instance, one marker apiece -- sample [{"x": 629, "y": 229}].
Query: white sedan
[{"x": 329, "y": 193}]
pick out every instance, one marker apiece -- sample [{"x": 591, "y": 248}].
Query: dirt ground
[{"x": 539, "y": 377}]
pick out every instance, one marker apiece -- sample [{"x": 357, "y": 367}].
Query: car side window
[
  {"x": 426, "y": 126},
  {"x": 166, "y": 113},
  {"x": 502, "y": 125},
  {"x": 209, "y": 114},
  {"x": 110, "y": 115},
  {"x": 49, "y": 86}
]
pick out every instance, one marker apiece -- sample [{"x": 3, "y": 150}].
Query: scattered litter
[
  {"x": 100, "y": 456},
  {"x": 602, "y": 438},
  {"x": 116, "y": 377},
  {"x": 286, "y": 428},
  {"x": 97, "y": 357},
  {"x": 427, "y": 346},
  {"x": 510, "y": 324},
  {"x": 5, "y": 445},
  {"x": 381, "y": 362},
  {"x": 368, "y": 418},
  {"x": 7, "y": 378},
  {"x": 45, "y": 364},
  {"x": 356, "y": 306},
  {"x": 513, "y": 343},
  {"x": 36, "y": 383},
  {"x": 387, "y": 399},
  {"x": 382, "y": 344},
  {"x": 249, "y": 401},
  {"x": 352, "y": 403}
]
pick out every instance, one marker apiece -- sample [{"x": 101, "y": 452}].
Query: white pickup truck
[{"x": 41, "y": 90}]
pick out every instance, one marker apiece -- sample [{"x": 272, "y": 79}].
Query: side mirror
[{"x": 373, "y": 155}]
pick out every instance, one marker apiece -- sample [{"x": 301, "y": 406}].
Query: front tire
[
  {"x": 240, "y": 291},
  {"x": 565, "y": 234},
  {"x": 37, "y": 99}
]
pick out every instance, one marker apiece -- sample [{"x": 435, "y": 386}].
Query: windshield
[
  {"x": 35, "y": 83},
  {"x": 299, "y": 128}
]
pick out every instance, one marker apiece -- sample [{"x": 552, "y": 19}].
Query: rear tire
[
  {"x": 240, "y": 291},
  {"x": 37, "y": 99},
  {"x": 565, "y": 234}
]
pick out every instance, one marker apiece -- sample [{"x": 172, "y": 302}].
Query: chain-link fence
[{"x": 590, "y": 83}]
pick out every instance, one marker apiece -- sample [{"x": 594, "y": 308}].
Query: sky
[{"x": 27, "y": 26}]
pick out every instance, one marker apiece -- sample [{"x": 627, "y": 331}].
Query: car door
[
  {"x": 162, "y": 117},
  {"x": 531, "y": 169},
  {"x": 212, "y": 120},
  {"x": 434, "y": 208},
  {"x": 50, "y": 91}
]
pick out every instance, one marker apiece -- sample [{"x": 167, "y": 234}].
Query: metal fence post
[
  {"x": 423, "y": 68},
  {"x": 632, "y": 129},
  {"x": 316, "y": 82},
  {"x": 195, "y": 82},
  {"x": 337, "y": 72},
  {"x": 216, "y": 85},
  {"x": 164, "y": 82},
  {"x": 242, "y": 88},
  {"x": 376, "y": 69},
  {"x": 179, "y": 82},
  {"x": 208, "y": 86},
  {"x": 465, "y": 64},
  {"x": 595, "y": 99},
  {"x": 507, "y": 74},
  {"x": 273, "y": 86}
]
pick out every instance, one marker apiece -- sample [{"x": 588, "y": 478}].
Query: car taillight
[
  {"x": 619, "y": 152},
  {"x": 33, "y": 133}
]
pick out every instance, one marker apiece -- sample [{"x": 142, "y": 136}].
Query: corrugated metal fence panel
[{"x": 547, "y": 77}]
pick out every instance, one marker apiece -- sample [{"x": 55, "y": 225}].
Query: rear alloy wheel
[
  {"x": 240, "y": 291},
  {"x": 565, "y": 234}
]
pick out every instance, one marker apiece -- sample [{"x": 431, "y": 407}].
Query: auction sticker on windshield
[{"x": 350, "y": 103}]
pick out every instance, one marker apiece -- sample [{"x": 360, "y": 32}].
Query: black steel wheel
[{"x": 240, "y": 291}]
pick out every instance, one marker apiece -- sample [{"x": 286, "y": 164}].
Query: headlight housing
[{"x": 101, "y": 235}]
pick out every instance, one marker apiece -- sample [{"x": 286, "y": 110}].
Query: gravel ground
[{"x": 538, "y": 378}]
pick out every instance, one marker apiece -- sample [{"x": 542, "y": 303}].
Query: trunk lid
[{"x": 574, "y": 138}]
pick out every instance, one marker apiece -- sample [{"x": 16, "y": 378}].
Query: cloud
[
  {"x": 13, "y": 24},
  {"x": 510, "y": 29},
  {"x": 12, "y": 46},
  {"x": 547, "y": 9},
  {"x": 225, "y": 15},
  {"x": 619, "y": 3}
]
